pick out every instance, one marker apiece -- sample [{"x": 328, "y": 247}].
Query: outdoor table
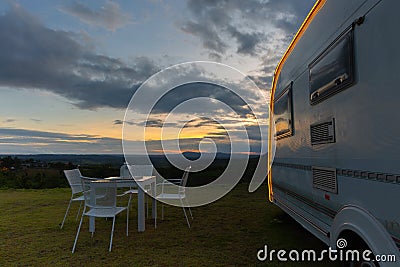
[{"x": 141, "y": 183}]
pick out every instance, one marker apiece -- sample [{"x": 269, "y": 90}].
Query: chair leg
[
  {"x": 79, "y": 210},
  {"x": 154, "y": 212},
  {"x": 188, "y": 206},
  {"x": 187, "y": 219},
  {"x": 147, "y": 206},
  {"x": 190, "y": 211},
  {"x": 127, "y": 221},
  {"x": 112, "y": 234},
  {"x": 77, "y": 234},
  {"x": 162, "y": 211},
  {"x": 184, "y": 212},
  {"x": 129, "y": 201},
  {"x": 66, "y": 213}
]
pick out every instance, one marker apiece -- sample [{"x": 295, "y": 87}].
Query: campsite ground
[{"x": 228, "y": 232}]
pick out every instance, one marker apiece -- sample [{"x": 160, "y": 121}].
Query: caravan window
[
  {"x": 333, "y": 70},
  {"x": 283, "y": 116}
]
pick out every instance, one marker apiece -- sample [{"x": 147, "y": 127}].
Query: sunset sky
[{"x": 68, "y": 69}]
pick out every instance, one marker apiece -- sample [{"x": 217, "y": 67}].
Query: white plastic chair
[
  {"x": 74, "y": 180},
  {"x": 180, "y": 195},
  {"x": 136, "y": 170},
  {"x": 101, "y": 201}
]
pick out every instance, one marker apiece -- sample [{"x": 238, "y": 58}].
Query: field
[{"x": 228, "y": 232}]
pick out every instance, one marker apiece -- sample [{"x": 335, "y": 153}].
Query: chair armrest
[
  {"x": 169, "y": 182},
  {"x": 91, "y": 178},
  {"x": 174, "y": 181}
]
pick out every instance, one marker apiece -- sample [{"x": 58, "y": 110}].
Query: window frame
[
  {"x": 338, "y": 85},
  {"x": 288, "y": 90}
]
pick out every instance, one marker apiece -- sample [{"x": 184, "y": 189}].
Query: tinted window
[
  {"x": 283, "y": 114},
  {"x": 333, "y": 70}
]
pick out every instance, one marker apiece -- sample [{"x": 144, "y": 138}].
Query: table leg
[
  {"x": 92, "y": 219},
  {"x": 154, "y": 208},
  {"x": 141, "y": 210}
]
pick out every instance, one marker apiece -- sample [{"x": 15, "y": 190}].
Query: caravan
[{"x": 336, "y": 116}]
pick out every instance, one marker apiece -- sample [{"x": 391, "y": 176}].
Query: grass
[{"x": 228, "y": 232}]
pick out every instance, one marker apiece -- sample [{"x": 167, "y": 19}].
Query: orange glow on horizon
[{"x": 152, "y": 133}]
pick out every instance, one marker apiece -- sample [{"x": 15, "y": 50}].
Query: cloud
[
  {"x": 36, "y": 120},
  {"x": 155, "y": 123},
  {"x": 247, "y": 42},
  {"x": 209, "y": 37},
  {"x": 33, "y": 141},
  {"x": 9, "y": 120},
  {"x": 255, "y": 28},
  {"x": 109, "y": 16},
  {"x": 118, "y": 122},
  {"x": 25, "y": 141},
  {"x": 187, "y": 92},
  {"x": 248, "y": 23},
  {"x": 44, "y": 134},
  {"x": 199, "y": 122},
  {"x": 33, "y": 56}
]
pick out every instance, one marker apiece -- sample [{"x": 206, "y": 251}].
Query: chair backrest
[
  {"x": 184, "y": 179},
  {"x": 141, "y": 170},
  {"x": 99, "y": 193},
  {"x": 74, "y": 180},
  {"x": 124, "y": 172}
]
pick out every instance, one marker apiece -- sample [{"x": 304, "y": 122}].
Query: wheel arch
[{"x": 354, "y": 219}]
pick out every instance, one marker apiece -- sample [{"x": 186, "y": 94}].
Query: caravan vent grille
[
  {"x": 325, "y": 179},
  {"x": 323, "y": 132}
]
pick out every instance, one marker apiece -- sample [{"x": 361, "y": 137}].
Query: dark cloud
[
  {"x": 254, "y": 132},
  {"x": 118, "y": 122},
  {"x": 194, "y": 90},
  {"x": 213, "y": 134},
  {"x": 187, "y": 144},
  {"x": 33, "y": 56},
  {"x": 263, "y": 81},
  {"x": 44, "y": 134},
  {"x": 33, "y": 141},
  {"x": 247, "y": 42},
  {"x": 155, "y": 123},
  {"x": 220, "y": 124},
  {"x": 199, "y": 122},
  {"x": 207, "y": 34},
  {"x": 211, "y": 20},
  {"x": 109, "y": 16},
  {"x": 9, "y": 120},
  {"x": 158, "y": 123},
  {"x": 253, "y": 27},
  {"x": 215, "y": 56}
]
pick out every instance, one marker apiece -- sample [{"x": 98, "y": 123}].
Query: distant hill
[
  {"x": 114, "y": 159},
  {"x": 196, "y": 155},
  {"x": 75, "y": 159}
]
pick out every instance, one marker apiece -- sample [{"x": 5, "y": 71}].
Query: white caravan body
[{"x": 335, "y": 100}]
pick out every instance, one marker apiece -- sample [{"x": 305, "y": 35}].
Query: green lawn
[{"x": 228, "y": 232}]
